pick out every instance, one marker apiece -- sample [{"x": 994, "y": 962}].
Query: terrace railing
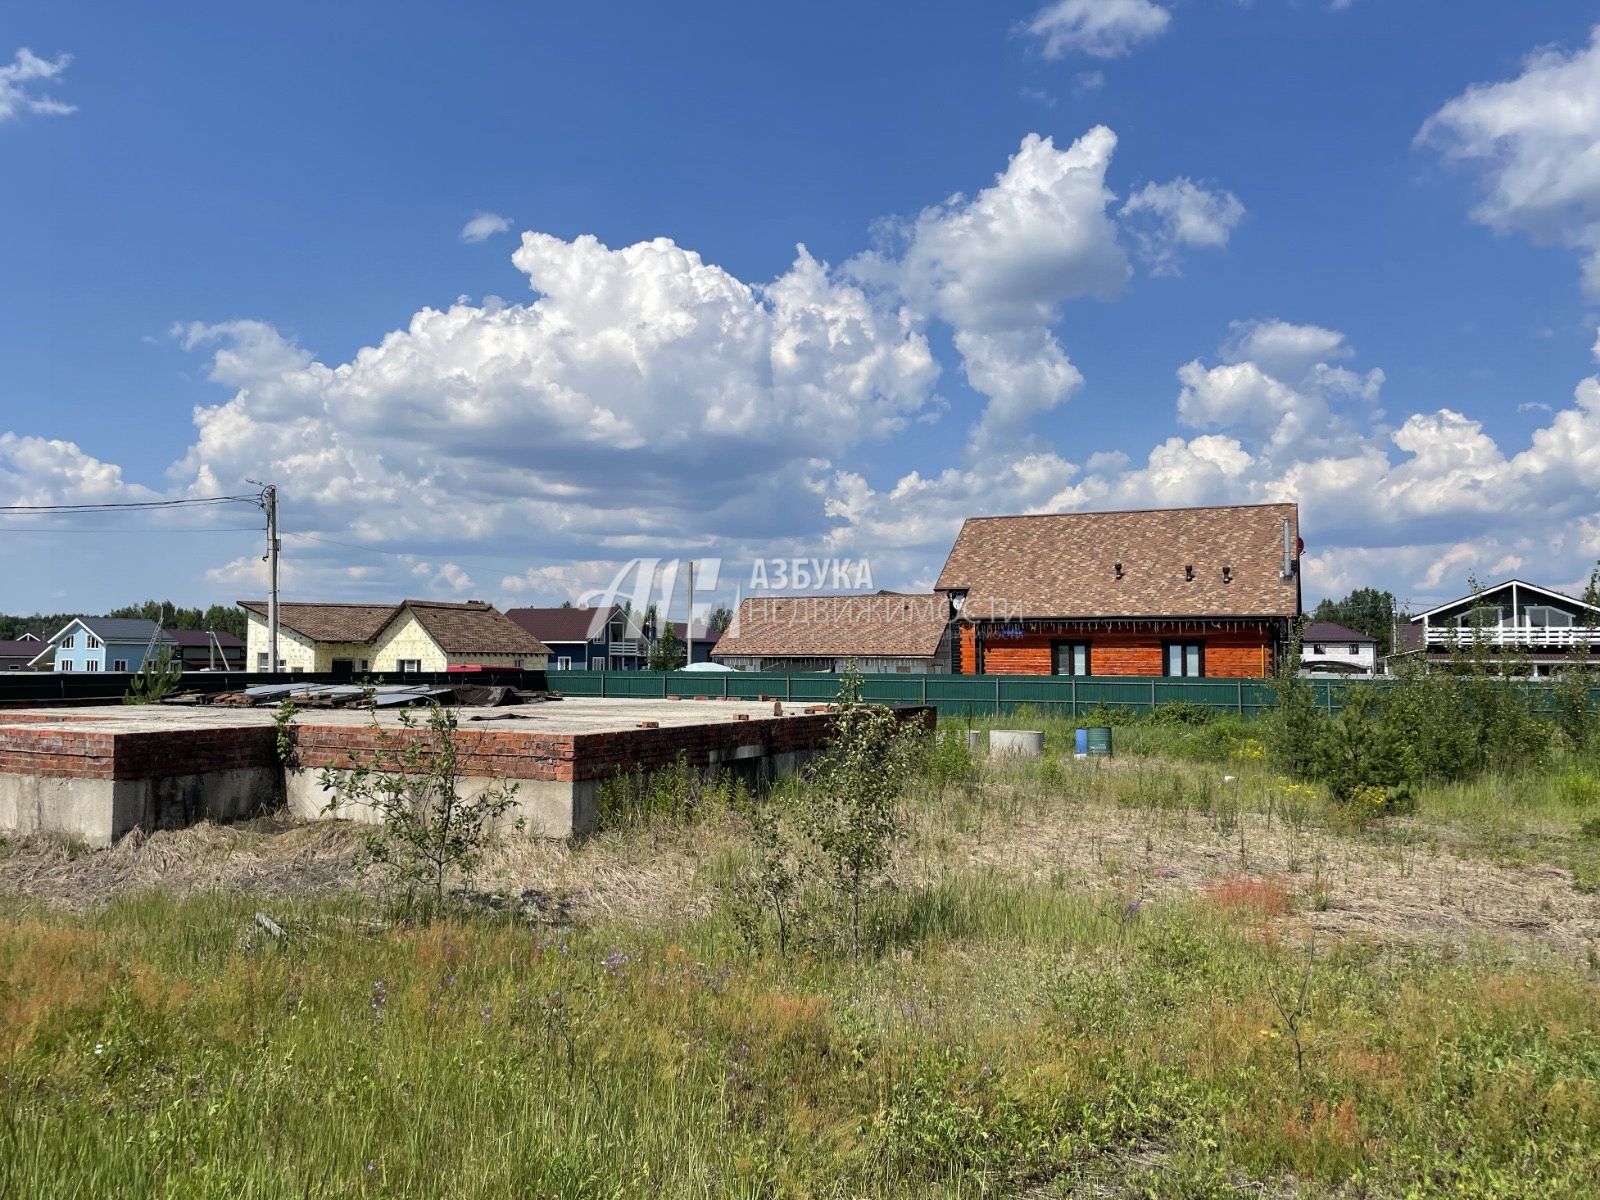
[{"x": 1522, "y": 637}]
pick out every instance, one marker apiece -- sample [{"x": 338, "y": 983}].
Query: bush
[
  {"x": 1181, "y": 712},
  {"x": 1293, "y": 727},
  {"x": 678, "y": 793},
  {"x": 428, "y": 834},
  {"x": 1357, "y": 755}
]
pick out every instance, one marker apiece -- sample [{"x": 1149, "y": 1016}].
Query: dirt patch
[{"x": 1398, "y": 891}]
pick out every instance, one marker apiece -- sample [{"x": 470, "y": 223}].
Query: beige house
[{"x": 414, "y": 635}]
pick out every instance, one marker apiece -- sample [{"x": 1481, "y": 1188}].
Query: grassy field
[{"x": 1175, "y": 974}]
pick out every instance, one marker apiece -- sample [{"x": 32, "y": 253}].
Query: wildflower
[
  {"x": 1131, "y": 909},
  {"x": 615, "y": 961},
  {"x": 380, "y": 998},
  {"x": 99, "y": 1047}
]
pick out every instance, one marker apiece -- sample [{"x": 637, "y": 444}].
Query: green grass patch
[{"x": 1005, "y": 1037}]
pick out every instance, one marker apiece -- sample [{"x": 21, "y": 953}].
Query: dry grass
[
  {"x": 1406, "y": 884},
  {"x": 1400, "y": 884}
]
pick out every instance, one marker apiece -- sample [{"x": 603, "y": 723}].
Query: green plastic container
[{"x": 1095, "y": 741}]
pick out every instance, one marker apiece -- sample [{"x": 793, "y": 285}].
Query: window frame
[
  {"x": 119, "y": 664},
  {"x": 1169, "y": 644},
  {"x": 70, "y": 642},
  {"x": 408, "y": 666},
  {"x": 1056, "y": 647}
]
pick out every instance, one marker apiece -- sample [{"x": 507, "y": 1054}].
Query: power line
[
  {"x": 130, "y": 529},
  {"x": 114, "y": 506}
]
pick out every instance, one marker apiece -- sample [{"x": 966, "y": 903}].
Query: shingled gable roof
[
  {"x": 353, "y": 623},
  {"x": 1065, "y": 564},
  {"x": 472, "y": 628},
  {"x": 563, "y": 624},
  {"x": 1332, "y": 631},
  {"x": 876, "y": 625}
]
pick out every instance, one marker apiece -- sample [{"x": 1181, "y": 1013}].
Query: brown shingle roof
[
  {"x": 330, "y": 622},
  {"x": 563, "y": 624},
  {"x": 884, "y": 624},
  {"x": 473, "y": 628},
  {"x": 1064, "y": 564},
  {"x": 1331, "y": 631}
]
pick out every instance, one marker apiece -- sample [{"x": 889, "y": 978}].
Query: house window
[
  {"x": 408, "y": 664},
  {"x": 63, "y": 665},
  {"x": 68, "y": 642},
  {"x": 597, "y": 664},
  {"x": 261, "y": 661},
  {"x": 1545, "y": 616},
  {"x": 1485, "y": 616},
  {"x": 119, "y": 664},
  {"x": 92, "y": 664},
  {"x": 92, "y": 642},
  {"x": 1317, "y": 648},
  {"x": 1354, "y": 648},
  {"x": 363, "y": 664},
  {"x": 1185, "y": 659},
  {"x": 563, "y": 664},
  {"x": 1072, "y": 658}
]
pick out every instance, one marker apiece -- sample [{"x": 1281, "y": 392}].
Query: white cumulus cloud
[
  {"x": 1166, "y": 218},
  {"x": 20, "y": 86},
  {"x": 484, "y": 226},
  {"x": 1101, "y": 28},
  {"x": 1536, "y": 142}
]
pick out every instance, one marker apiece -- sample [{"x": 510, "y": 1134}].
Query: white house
[
  {"x": 1327, "y": 646},
  {"x": 1536, "y": 625}
]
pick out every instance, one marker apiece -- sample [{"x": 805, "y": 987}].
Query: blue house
[{"x": 105, "y": 644}]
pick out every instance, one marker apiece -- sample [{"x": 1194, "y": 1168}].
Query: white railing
[
  {"x": 1514, "y": 635},
  {"x": 625, "y": 650}
]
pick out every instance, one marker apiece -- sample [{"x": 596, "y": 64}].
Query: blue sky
[{"x": 1078, "y": 254}]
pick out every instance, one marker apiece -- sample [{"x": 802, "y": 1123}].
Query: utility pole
[
  {"x": 269, "y": 500},
  {"x": 688, "y": 626}
]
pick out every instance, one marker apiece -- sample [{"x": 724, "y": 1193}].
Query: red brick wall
[
  {"x": 578, "y": 757},
  {"x": 1228, "y": 655},
  {"x": 83, "y": 753},
  {"x": 75, "y": 753}
]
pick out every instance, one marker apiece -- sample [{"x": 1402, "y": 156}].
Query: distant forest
[{"x": 222, "y": 618}]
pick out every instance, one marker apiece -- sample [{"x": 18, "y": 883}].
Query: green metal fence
[
  {"x": 978, "y": 695},
  {"x": 955, "y": 695}
]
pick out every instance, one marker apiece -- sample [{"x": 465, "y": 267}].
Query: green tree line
[{"x": 223, "y": 618}]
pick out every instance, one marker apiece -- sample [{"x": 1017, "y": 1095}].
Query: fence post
[
  {"x": 924, "y": 691},
  {"x": 1238, "y": 686},
  {"x": 602, "y": 684},
  {"x": 724, "y": 687},
  {"x": 788, "y": 686},
  {"x": 1152, "y": 695},
  {"x": 997, "y": 695},
  {"x": 1074, "y": 697}
]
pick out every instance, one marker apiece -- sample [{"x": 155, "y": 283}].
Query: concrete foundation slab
[{"x": 98, "y": 772}]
